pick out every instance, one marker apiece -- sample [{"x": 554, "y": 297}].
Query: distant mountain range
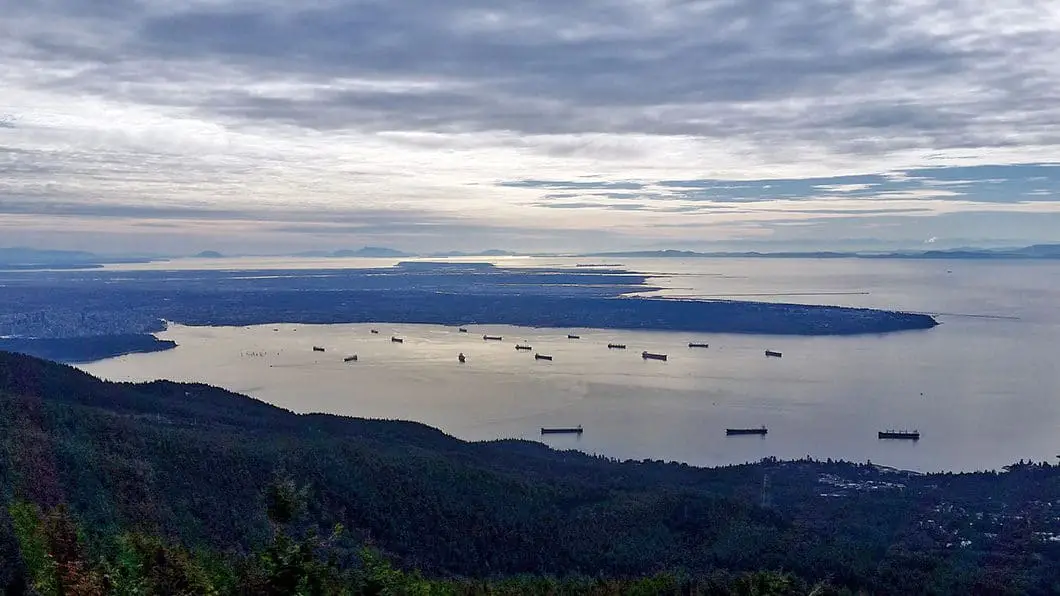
[
  {"x": 380, "y": 252},
  {"x": 377, "y": 252},
  {"x": 493, "y": 252},
  {"x": 1037, "y": 251},
  {"x": 19, "y": 257},
  {"x": 30, "y": 258}
]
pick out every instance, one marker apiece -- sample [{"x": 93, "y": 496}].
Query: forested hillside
[{"x": 121, "y": 469}]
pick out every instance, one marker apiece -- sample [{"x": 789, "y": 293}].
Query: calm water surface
[{"x": 983, "y": 388}]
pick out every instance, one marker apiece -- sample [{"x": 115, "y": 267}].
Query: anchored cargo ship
[
  {"x": 616, "y": 346},
  {"x": 651, "y": 356},
  {"x": 772, "y": 354},
  {"x": 492, "y": 338},
  {"x": 693, "y": 344},
  {"x": 575, "y": 430},
  {"x": 911, "y": 435},
  {"x": 746, "y": 431},
  {"x": 542, "y": 357}
]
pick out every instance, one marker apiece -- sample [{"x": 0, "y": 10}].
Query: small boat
[
  {"x": 569, "y": 336},
  {"x": 375, "y": 332},
  {"x": 572, "y": 430},
  {"x": 350, "y": 358},
  {"x": 397, "y": 340},
  {"x": 318, "y": 349},
  {"x": 693, "y": 344},
  {"x": 463, "y": 330},
  {"x": 492, "y": 338},
  {"x": 911, "y": 435},
  {"x": 746, "y": 431},
  {"x": 461, "y": 357},
  {"x": 523, "y": 347},
  {"x": 616, "y": 346},
  {"x": 650, "y": 356},
  {"x": 542, "y": 357},
  {"x": 772, "y": 354}
]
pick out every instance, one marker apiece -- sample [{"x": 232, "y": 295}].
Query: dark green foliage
[
  {"x": 188, "y": 489},
  {"x": 137, "y": 564}
]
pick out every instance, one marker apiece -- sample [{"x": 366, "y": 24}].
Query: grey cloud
[
  {"x": 977, "y": 184},
  {"x": 850, "y": 79},
  {"x": 560, "y": 67},
  {"x": 605, "y": 206},
  {"x": 292, "y": 219}
]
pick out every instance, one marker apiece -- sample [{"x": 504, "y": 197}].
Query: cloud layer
[{"x": 529, "y": 123}]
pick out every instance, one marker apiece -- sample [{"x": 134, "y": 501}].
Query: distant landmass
[
  {"x": 493, "y": 252},
  {"x": 209, "y": 254},
  {"x": 382, "y": 252},
  {"x": 86, "y": 349},
  {"x": 1037, "y": 251},
  {"x": 125, "y": 307},
  {"x": 31, "y": 256},
  {"x": 377, "y": 252},
  {"x": 20, "y": 257}
]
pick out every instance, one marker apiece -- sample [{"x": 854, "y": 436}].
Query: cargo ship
[
  {"x": 651, "y": 356},
  {"x": 746, "y": 431},
  {"x": 461, "y": 358},
  {"x": 569, "y": 336},
  {"x": 318, "y": 349},
  {"x": 542, "y": 357},
  {"x": 350, "y": 358},
  {"x": 463, "y": 330},
  {"x": 397, "y": 340},
  {"x": 492, "y": 338},
  {"x": 375, "y": 332},
  {"x": 693, "y": 344},
  {"x": 910, "y": 435},
  {"x": 616, "y": 346},
  {"x": 523, "y": 347},
  {"x": 573, "y": 430},
  {"x": 772, "y": 354}
]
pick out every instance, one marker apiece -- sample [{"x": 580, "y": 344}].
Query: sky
[{"x": 267, "y": 126}]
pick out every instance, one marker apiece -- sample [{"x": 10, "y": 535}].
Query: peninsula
[{"x": 69, "y": 306}]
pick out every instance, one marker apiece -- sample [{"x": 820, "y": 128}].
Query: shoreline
[
  {"x": 85, "y": 350},
  {"x": 100, "y": 347}
]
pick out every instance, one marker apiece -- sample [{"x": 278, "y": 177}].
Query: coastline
[
  {"x": 81, "y": 350},
  {"x": 620, "y": 314}
]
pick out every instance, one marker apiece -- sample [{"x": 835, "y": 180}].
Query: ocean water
[{"x": 982, "y": 388}]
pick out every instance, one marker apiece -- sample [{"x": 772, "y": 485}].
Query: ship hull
[
  {"x": 914, "y": 436},
  {"x": 561, "y": 431},
  {"x": 746, "y": 431}
]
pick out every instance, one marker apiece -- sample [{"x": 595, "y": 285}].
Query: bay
[{"x": 982, "y": 388}]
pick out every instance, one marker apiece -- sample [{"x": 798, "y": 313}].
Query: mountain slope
[{"x": 189, "y": 463}]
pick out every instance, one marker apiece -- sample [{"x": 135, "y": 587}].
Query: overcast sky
[{"x": 273, "y": 125}]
